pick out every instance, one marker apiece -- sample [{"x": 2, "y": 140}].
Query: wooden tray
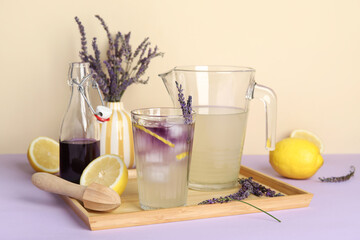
[{"x": 130, "y": 213}]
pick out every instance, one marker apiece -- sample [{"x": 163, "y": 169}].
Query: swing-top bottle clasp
[{"x": 102, "y": 113}]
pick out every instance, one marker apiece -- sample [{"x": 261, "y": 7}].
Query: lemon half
[
  {"x": 307, "y": 135},
  {"x": 109, "y": 170},
  {"x": 43, "y": 155}
]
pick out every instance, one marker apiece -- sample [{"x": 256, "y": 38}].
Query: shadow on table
[
  {"x": 51, "y": 202},
  {"x": 268, "y": 170},
  {"x": 36, "y": 198},
  {"x": 25, "y": 168}
]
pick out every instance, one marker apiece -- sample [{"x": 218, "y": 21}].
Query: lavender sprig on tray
[
  {"x": 185, "y": 106},
  {"x": 340, "y": 179},
  {"x": 120, "y": 71},
  {"x": 248, "y": 186}
]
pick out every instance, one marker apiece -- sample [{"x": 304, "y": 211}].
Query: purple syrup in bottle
[{"x": 75, "y": 155}]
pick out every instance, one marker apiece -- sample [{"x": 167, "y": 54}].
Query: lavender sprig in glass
[
  {"x": 123, "y": 67},
  {"x": 185, "y": 106}
]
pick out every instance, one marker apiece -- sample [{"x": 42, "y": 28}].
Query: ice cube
[
  {"x": 176, "y": 131},
  {"x": 153, "y": 157},
  {"x": 157, "y": 173}
]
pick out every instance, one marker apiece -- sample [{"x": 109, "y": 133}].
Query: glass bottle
[{"x": 79, "y": 132}]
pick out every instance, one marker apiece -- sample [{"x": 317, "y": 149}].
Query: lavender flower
[
  {"x": 340, "y": 179},
  {"x": 185, "y": 106},
  {"x": 248, "y": 186},
  {"x": 120, "y": 72},
  {"x": 83, "y": 53},
  {"x": 111, "y": 43}
]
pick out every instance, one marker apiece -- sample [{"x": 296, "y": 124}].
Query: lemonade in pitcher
[{"x": 218, "y": 144}]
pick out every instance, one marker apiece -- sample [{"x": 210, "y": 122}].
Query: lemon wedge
[
  {"x": 43, "y": 155},
  {"x": 307, "y": 135},
  {"x": 109, "y": 170}
]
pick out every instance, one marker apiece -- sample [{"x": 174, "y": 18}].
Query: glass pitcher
[{"x": 221, "y": 96}]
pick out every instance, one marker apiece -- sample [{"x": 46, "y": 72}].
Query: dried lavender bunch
[
  {"x": 123, "y": 66},
  {"x": 248, "y": 186},
  {"x": 185, "y": 106},
  {"x": 340, "y": 179}
]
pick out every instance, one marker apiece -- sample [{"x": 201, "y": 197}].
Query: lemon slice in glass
[
  {"x": 154, "y": 135},
  {"x": 43, "y": 155},
  {"x": 307, "y": 135},
  {"x": 182, "y": 155},
  {"x": 109, "y": 170}
]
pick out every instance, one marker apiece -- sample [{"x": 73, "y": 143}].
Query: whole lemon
[{"x": 296, "y": 158}]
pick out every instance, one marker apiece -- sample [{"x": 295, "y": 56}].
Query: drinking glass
[{"x": 162, "y": 144}]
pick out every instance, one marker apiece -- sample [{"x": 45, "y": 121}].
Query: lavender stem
[{"x": 260, "y": 210}]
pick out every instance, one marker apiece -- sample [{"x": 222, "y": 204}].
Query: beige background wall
[{"x": 307, "y": 51}]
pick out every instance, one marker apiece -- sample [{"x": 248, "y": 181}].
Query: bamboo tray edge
[{"x": 294, "y": 198}]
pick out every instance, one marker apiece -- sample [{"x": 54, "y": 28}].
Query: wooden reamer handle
[{"x": 54, "y": 184}]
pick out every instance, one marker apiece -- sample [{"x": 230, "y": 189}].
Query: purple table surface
[{"x": 29, "y": 213}]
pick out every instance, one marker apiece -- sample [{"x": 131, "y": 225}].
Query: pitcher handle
[{"x": 268, "y": 97}]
